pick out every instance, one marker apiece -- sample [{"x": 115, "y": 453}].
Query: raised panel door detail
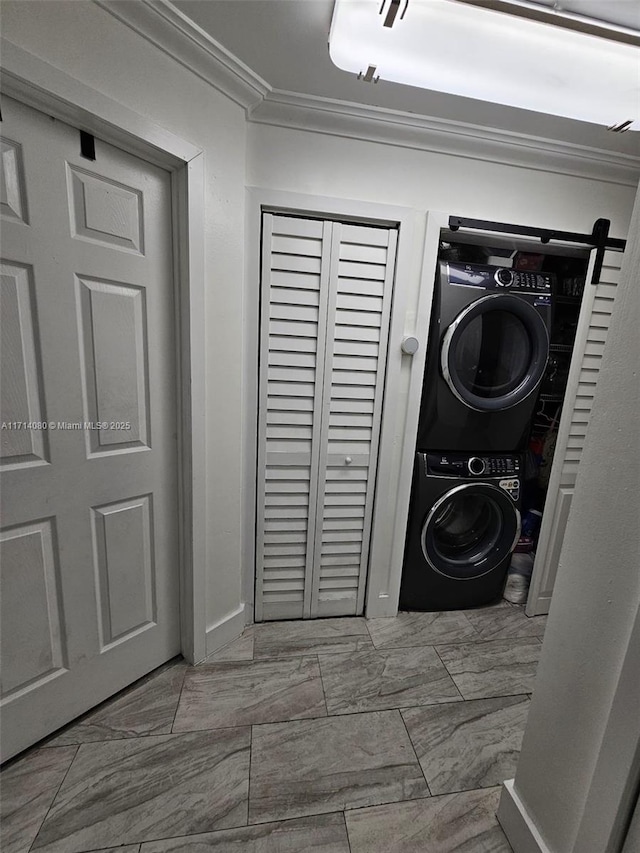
[
  {"x": 105, "y": 211},
  {"x": 124, "y": 566},
  {"x": 20, "y": 371},
  {"x": 112, "y": 320},
  {"x": 30, "y": 607},
  {"x": 561, "y": 511},
  {"x": 13, "y": 199}
]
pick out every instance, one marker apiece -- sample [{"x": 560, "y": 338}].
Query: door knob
[
  {"x": 348, "y": 460},
  {"x": 409, "y": 345}
]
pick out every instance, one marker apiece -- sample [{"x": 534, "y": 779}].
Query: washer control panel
[
  {"x": 500, "y": 279},
  {"x": 500, "y": 466},
  {"x": 501, "y": 469},
  {"x": 481, "y": 466}
]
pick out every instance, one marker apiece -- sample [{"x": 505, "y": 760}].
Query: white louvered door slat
[
  {"x": 351, "y": 416},
  {"x": 325, "y": 309},
  {"x": 597, "y": 307}
]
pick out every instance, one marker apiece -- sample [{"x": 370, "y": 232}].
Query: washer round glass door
[
  {"x": 495, "y": 352},
  {"x": 470, "y": 530}
]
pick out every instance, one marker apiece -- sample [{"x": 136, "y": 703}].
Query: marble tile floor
[{"x": 329, "y": 736}]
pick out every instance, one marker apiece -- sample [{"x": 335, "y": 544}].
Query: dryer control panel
[{"x": 500, "y": 279}]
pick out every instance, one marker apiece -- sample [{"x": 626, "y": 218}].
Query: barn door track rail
[{"x": 599, "y": 238}]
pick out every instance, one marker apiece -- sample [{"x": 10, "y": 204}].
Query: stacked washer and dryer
[{"x": 487, "y": 354}]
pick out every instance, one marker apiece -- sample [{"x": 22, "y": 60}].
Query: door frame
[
  {"x": 40, "y": 85},
  {"x": 403, "y": 375}
]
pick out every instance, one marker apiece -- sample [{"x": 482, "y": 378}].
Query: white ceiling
[{"x": 286, "y": 43}]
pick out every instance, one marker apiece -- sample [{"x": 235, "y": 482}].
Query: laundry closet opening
[
  {"x": 516, "y": 340},
  {"x": 325, "y": 305}
]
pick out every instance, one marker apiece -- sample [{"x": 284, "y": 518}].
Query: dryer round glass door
[
  {"x": 495, "y": 352},
  {"x": 470, "y": 530}
]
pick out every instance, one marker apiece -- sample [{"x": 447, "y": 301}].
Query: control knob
[
  {"x": 476, "y": 465},
  {"x": 504, "y": 277}
]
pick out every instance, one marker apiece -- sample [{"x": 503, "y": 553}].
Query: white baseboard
[
  {"x": 517, "y": 824},
  {"x": 226, "y": 629}
]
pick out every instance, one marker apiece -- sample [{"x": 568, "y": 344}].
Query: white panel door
[
  {"x": 326, "y": 298},
  {"x": 88, "y": 544},
  {"x": 597, "y": 307}
]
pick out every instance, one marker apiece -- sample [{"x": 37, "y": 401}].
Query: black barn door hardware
[{"x": 599, "y": 238}]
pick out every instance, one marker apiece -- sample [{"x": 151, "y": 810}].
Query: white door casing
[
  {"x": 89, "y": 516},
  {"x": 326, "y": 298},
  {"x": 597, "y": 306}
]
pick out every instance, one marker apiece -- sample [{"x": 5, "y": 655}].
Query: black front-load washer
[
  {"x": 487, "y": 354},
  {"x": 464, "y": 523}
]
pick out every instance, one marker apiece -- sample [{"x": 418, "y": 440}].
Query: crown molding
[
  {"x": 457, "y": 139},
  {"x": 178, "y": 36},
  {"x": 162, "y": 24}
]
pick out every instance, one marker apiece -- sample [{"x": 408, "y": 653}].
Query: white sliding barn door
[
  {"x": 326, "y": 300},
  {"x": 88, "y": 545},
  {"x": 597, "y": 307}
]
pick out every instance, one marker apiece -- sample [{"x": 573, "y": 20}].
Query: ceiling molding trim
[
  {"x": 160, "y": 23},
  {"x": 409, "y": 130}
]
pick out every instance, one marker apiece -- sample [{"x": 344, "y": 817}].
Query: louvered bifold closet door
[
  {"x": 598, "y": 305},
  {"x": 325, "y": 307},
  {"x": 361, "y": 284},
  {"x": 295, "y": 289}
]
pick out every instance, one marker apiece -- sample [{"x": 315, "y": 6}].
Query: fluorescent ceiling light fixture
[
  {"x": 474, "y": 52},
  {"x": 623, "y": 15},
  {"x": 618, "y": 20}
]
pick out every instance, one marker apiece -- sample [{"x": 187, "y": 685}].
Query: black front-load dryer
[
  {"x": 464, "y": 523},
  {"x": 488, "y": 350}
]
